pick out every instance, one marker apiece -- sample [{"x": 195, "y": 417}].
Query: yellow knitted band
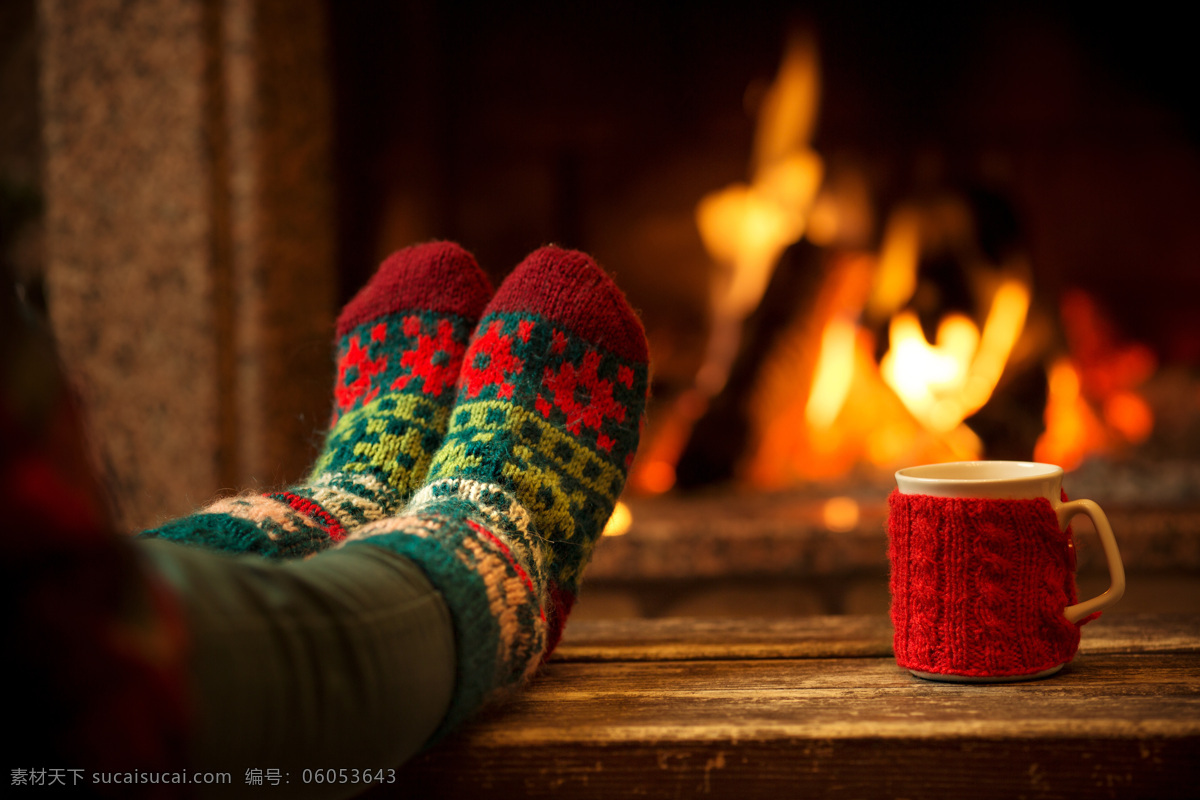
[
  {"x": 551, "y": 444},
  {"x": 367, "y": 432}
]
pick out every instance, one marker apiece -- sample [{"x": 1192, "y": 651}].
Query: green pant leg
[{"x": 342, "y": 661}]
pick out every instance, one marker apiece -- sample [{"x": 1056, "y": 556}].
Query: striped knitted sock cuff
[
  {"x": 292, "y": 523},
  {"x": 467, "y": 539},
  {"x": 249, "y": 525}
]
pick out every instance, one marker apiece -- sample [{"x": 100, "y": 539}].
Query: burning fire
[
  {"x": 1094, "y": 406},
  {"x": 911, "y": 405},
  {"x": 824, "y": 405},
  {"x": 944, "y": 383}
]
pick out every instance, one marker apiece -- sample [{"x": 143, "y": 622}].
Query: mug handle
[{"x": 1116, "y": 569}]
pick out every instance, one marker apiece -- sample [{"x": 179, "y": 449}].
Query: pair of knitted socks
[{"x": 485, "y": 437}]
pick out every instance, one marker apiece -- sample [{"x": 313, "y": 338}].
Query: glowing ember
[
  {"x": 618, "y": 524},
  {"x": 1130, "y": 415},
  {"x": 840, "y": 514}
]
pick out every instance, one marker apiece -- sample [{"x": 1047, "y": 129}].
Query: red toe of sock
[
  {"x": 568, "y": 288},
  {"x": 440, "y": 277}
]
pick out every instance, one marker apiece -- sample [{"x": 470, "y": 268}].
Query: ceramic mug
[{"x": 983, "y": 570}]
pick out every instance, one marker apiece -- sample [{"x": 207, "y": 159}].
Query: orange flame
[
  {"x": 834, "y": 374},
  {"x": 944, "y": 383},
  {"x": 1072, "y": 429},
  {"x": 908, "y": 408},
  {"x": 824, "y": 406},
  {"x": 1094, "y": 406},
  {"x": 896, "y": 276},
  {"x": 746, "y": 227}
]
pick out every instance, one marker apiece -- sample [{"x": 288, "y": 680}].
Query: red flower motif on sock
[
  {"x": 347, "y": 394},
  {"x": 585, "y": 397},
  {"x": 559, "y": 343},
  {"x": 491, "y": 361},
  {"x": 435, "y": 358}
]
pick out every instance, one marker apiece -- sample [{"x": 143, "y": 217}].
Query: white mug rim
[{"x": 981, "y": 479}]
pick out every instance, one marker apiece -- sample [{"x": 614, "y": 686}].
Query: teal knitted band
[
  {"x": 465, "y": 538},
  {"x": 238, "y": 536}
]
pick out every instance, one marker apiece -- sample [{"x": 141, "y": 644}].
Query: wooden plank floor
[{"x": 818, "y": 707}]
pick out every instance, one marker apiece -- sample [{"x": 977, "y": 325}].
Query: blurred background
[{"x": 860, "y": 238}]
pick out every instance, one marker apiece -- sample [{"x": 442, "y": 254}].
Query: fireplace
[{"x": 1001, "y": 195}]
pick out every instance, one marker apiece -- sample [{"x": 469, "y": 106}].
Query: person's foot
[
  {"x": 550, "y": 401},
  {"x": 552, "y": 394},
  {"x": 401, "y": 342}
]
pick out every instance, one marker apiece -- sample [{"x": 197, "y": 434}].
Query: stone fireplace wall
[{"x": 188, "y": 238}]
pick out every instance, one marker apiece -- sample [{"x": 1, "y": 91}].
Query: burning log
[{"x": 720, "y": 437}]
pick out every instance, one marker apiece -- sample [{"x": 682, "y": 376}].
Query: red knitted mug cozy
[{"x": 979, "y": 586}]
